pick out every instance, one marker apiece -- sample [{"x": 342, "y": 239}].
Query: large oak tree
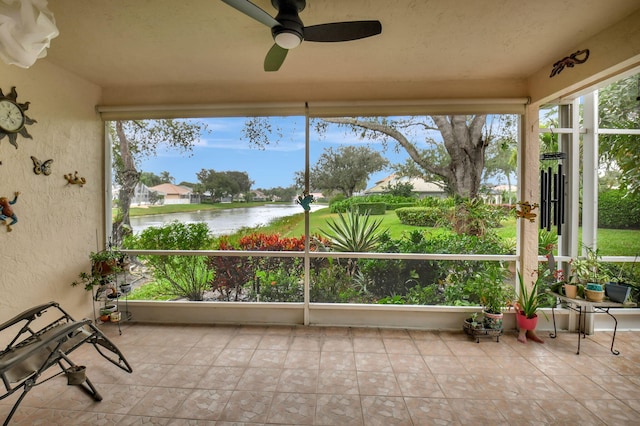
[{"x": 137, "y": 139}]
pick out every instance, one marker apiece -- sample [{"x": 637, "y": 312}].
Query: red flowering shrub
[{"x": 233, "y": 272}]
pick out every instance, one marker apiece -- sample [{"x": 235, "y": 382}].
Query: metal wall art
[
  {"x": 526, "y": 211},
  {"x": 305, "y": 200},
  {"x": 6, "y": 211},
  {"x": 41, "y": 167},
  {"x": 74, "y": 179},
  {"x": 579, "y": 57}
]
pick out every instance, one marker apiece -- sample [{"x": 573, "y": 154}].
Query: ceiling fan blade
[
  {"x": 275, "y": 57},
  {"x": 253, "y": 11},
  {"x": 342, "y": 31}
]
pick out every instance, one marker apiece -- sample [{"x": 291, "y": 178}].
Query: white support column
[
  {"x": 529, "y": 189},
  {"x": 590, "y": 181},
  {"x": 590, "y": 171}
]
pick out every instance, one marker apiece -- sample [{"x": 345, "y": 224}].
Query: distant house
[
  {"x": 175, "y": 194},
  {"x": 140, "y": 194},
  {"x": 498, "y": 194},
  {"x": 420, "y": 186},
  {"x": 259, "y": 196}
]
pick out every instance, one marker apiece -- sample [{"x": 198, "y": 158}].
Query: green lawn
[{"x": 611, "y": 242}]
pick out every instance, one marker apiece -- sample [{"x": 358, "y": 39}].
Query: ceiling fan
[{"x": 288, "y": 31}]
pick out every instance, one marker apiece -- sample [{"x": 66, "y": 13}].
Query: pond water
[{"x": 223, "y": 221}]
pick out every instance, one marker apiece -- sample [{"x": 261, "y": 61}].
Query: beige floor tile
[
  {"x": 200, "y": 356},
  {"x": 205, "y": 404},
  {"x": 336, "y": 409},
  {"x": 275, "y": 342},
  {"x": 613, "y": 412},
  {"x": 268, "y": 358},
  {"x": 442, "y": 364},
  {"x": 183, "y": 376},
  {"x": 221, "y": 378},
  {"x": 302, "y": 359},
  {"x": 306, "y": 343},
  {"x": 234, "y": 357},
  {"x": 160, "y": 402},
  {"x": 145, "y": 375},
  {"x": 542, "y": 387},
  {"x": 385, "y": 411},
  {"x": 581, "y": 387},
  {"x": 371, "y": 383},
  {"x": 338, "y": 382},
  {"x": 265, "y": 379},
  {"x": 477, "y": 412},
  {"x": 403, "y": 363},
  {"x": 292, "y": 408},
  {"x": 431, "y": 411},
  {"x": 337, "y": 344},
  {"x": 619, "y": 386},
  {"x": 567, "y": 412},
  {"x": 459, "y": 386},
  {"x": 247, "y": 406},
  {"x": 400, "y": 346},
  {"x": 522, "y": 411},
  {"x": 298, "y": 380},
  {"x": 419, "y": 385},
  {"x": 337, "y": 361},
  {"x": 368, "y": 345},
  {"x": 373, "y": 362},
  {"x": 433, "y": 348},
  {"x": 257, "y": 375}
]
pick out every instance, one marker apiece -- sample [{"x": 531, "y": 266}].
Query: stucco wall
[{"x": 58, "y": 223}]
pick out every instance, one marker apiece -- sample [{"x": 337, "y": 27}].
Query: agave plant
[{"x": 353, "y": 233}]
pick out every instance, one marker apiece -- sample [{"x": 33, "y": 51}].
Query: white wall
[{"x": 58, "y": 223}]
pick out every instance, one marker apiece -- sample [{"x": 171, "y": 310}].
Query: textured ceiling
[{"x": 205, "y": 43}]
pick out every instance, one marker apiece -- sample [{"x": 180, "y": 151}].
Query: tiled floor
[{"x": 253, "y": 375}]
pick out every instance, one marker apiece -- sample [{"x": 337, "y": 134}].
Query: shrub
[
  {"x": 474, "y": 217},
  {"x": 278, "y": 286},
  {"x": 331, "y": 284},
  {"x": 618, "y": 210},
  {"x": 370, "y": 208},
  {"x": 345, "y": 205},
  {"x": 188, "y": 276},
  {"x": 430, "y": 281},
  {"x": 419, "y": 216}
]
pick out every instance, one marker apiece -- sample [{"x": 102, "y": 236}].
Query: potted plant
[
  {"x": 107, "y": 262},
  {"x": 589, "y": 272},
  {"x": 618, "y": 290},
  {"x": 494, "y": 294},
  {"x": 527, "y": 308},
  {"x": 103, "y": 264}
]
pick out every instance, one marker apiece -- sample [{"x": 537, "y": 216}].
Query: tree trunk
[
  {"x": 463, "y": 141},
  {"x": 128, "y": 178}
]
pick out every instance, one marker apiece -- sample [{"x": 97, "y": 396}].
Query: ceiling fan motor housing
[{"x": 290, "y": 32}]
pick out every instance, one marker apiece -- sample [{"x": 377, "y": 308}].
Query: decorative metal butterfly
[{"x": 43, "y": 168}]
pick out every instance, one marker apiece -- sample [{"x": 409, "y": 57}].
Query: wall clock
[{"x": 13, "y": 120}]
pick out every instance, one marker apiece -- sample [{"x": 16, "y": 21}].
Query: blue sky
[{"x": 224, "y": 149}]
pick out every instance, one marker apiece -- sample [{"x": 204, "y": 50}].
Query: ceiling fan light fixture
[{"x": 288, "y": 39}]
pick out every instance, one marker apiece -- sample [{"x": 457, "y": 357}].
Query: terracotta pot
[
  {"x": 571, "y": 290},
  {"x": 525, "y": 323}
]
